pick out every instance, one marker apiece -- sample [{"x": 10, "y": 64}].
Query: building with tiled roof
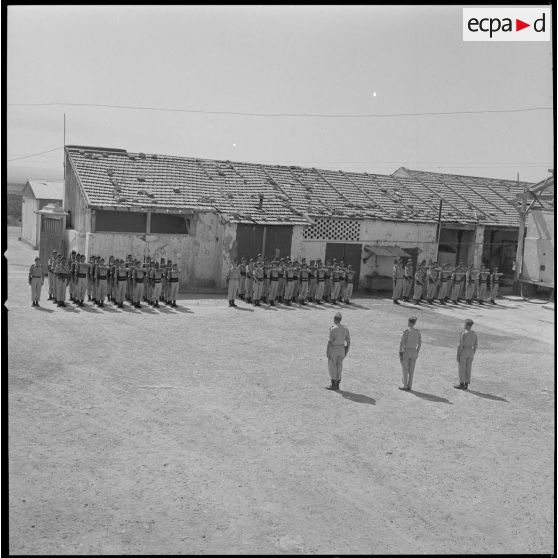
[
  {"x": 34, "y": 196},
  {"x": 204, "y": 212}
]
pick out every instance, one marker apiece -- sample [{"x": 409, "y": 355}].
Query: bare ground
[{"x": 208, "y": 430}]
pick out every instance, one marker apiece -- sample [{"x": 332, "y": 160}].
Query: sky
[{"x": 319, "y": 60}]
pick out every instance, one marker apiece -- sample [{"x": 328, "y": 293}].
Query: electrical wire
[
  {"x": 281, "y": 115},
  {"x": 34, "y": 154}
]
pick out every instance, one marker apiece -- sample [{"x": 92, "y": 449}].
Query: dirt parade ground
[{"x": 207, "y": 429}]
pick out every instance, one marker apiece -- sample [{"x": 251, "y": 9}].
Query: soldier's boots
[
  {"x": 332, "y": 386},
  {"x": 460, "y": 386}
]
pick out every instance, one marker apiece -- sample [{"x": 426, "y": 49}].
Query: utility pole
[
  {"x": 520, "y": 241},
  {"x": 439, "y": 229},
  {"x": 64, "y": 163}
]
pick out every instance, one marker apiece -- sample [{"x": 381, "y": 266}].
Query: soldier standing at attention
[
  {"x": 62, "y": 277},
  {"x": 408, "y": 275},
  {"x": 101, "y": 276},
  {"x": 71, "y": 283},
  {"x": 233, "y": 280},
  {"x": 494, "y": 284},
  {"x": 173, "y": 280},
  {"x": 445, "y": 276},
  {"x": 138, "y": 277},
  {"x": 313, "y": 281},
  {"x": 466, "y": 350},
  {"x": 249, "y": 279},
  {"x": 120, "y": 278},
  {"x": 337, "y": 349},
  {"x": 36, "y": 280},
  {"x": 471, "y": 276},
  {"x": 327, "y": 283},
  {"x": 91, "y": 278},
  {"x": 484, "y": 274},
  {"x": 458, "y": 278},
  {"x": 419, "y": 282},
  {"x": 50, "y": 268},
  {"x": 349, "y": 277},
  {"x": 273, "y": 282},
  {"x": 82, "y": 268},
  {"x": 155, "y": 275},
  {"x": 265, "y": 283},
  {"x": 432, "y": 282},
  {"x": 397, "y": 275},
  {"x": 129, "y": 266},
  {"x": 257, "y": 279},
  {"x": 242, "y": 283},
  {"x": 281, "y": 280},
  {"x": 409, "y": 348},
  {"x": 320, "y": 282},
  {"x": 304, "y": 279},
  {"x": 296, "y": 281},
  {"x": 342, "y": 281},
  {"x": 289, "y": 282},
  {"x": 335, "y": 276}
]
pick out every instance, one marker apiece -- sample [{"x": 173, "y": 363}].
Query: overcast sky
[{"x": 314, "y": 59}]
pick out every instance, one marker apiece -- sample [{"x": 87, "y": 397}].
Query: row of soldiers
[
  {"x": 114, "y": 279},
  {"x": 444, "y": 283},
  {"x": 285, "y": 281}
]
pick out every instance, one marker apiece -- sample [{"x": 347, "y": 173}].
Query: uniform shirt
[
  {"x": 397, "y": 272},
  {"x": 432, "y": 274},
  {"x": 234, "y": 272},
  {"x": 36, "y": 270},
  {"x": 338, "y": 335},
  {"x": 258, "y": 273},
  {"x": 320, "y": 272},
  {"x": 467, "y": 340},
  {"x": 483, "y": 275},
  {"x": 81, "y": 269},
  {"x": 495, "y": 278},
  {"x": 408, "y": 273},
  {"x": 349, "y": 276},
  {"x": 419, "y": 276},
  {"x": 411, "y": 339},
  {"x": 304, "y": 275}
]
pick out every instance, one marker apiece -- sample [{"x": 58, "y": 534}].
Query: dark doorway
[
  {"x": 52, "y": 237},
  {"x": 270, "y": 241},
  {"x": 349, "y": 253}
]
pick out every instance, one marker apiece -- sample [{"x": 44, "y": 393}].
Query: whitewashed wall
[{"x": 29, "y": 220}]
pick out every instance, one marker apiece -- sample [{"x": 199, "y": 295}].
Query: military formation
[
  {"x": 99, "y": 280},
  {"x": 286, "y": 281},
  {"x": 445, "y": 283}
]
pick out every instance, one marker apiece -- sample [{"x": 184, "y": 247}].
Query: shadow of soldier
[
  {"x": 430, "y": 397},
  {"x": 356, "y": 397},
  {"x": 487, "y": 396}
]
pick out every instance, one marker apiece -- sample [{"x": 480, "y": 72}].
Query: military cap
[
  {"x": 469, "y": 321},
  {"x": 337, "y": 316},
  {"x": 413, "y": 320}
]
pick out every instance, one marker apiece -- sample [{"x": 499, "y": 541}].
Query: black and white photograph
[{"x": 279, "y": 279}]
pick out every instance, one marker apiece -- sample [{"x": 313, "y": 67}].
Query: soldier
[
  {"x": 304, "y": 279},
  {"x": 257, "y": 279},
  {"x": 273, "y": 282},
  {"x": 432, "y": 282},
  {"x": 281, "y": 280},
  {"x": 458, "y": 278},
  {"x": 445, "y": 277},
  {"x": 327, "y": 284},
  {"x": 36, "y": 280},
  {"x": 129, "y": 266},
  {"x": 320, "y": 282},
  {"x": 249, "y": 279},
  {"x": 233, "y": 280},
  {"x": 147, "y": 282},
  {"x": 62, "y": 273},
  {"x": 342, "y": 281},
  {"x": 337, "y": 349},
  {"x": 335, "y": 276},
  {"x": 242, "y": 283},
  {"x": 494, "y": 284},
  {"x": 466, "y": 350},
  {"x": 138, "y": 278},
  {"x": 71, "y": 278},
  {"x": 420, "y": 275},
  {"x": 296, "y": 281},
  {"x": 471, "y": 278},
  {"x": 408, "y": 276},
  {"x": 101, "y": 278},
  {"x": 51, "y": 280},
  {"x": 349, "y": 278},
  {"x": 81, "y": 271},
  {"x": 289, "y": 282},
  {"x": 120, "y": 279},
  {"x": 173, "y": 281},
  {"x": 91, "y": 278},
  {"x": 313, "y": 281},
  {"x": 409, "y": 348},
  {"x": 397, "y": 275},
  {"x": 265, "y": 282},
  {"x": 155, "y": 276},
  {"x": 484, "y": 274}
]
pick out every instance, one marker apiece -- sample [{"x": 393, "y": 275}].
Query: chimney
[{"x": 260, "y": 206}]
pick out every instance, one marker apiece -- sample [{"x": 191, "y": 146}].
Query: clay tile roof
[{"x": 256, "y": 193}]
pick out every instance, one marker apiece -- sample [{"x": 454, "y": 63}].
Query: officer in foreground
[
  {"x": 466, "y": 350},
  {"x": 337, "y": 349}
]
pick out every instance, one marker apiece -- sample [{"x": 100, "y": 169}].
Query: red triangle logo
[{"x": 519, "y": 25}]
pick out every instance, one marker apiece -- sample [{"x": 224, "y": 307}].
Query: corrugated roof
[
  {"x": 274, "y": 194},
  {"x": 43, "y": 190}
]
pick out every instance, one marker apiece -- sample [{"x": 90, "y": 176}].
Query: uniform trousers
[
  {"x": 335, "y": 361},
  {"x": 303, "y": 290},
  {"x": 155, "y": 292},
  {"x": 327, "y": 288},
  {"x": 397, "y": 288},
  {"x": 137, "y": 294},
  {"x": 408, "y": 366},
  {"x": 418, "y": 291},
  {"x": 242, "y": 285},
  {"x": 51, "y": 284},
  {"x": 281, "y": 287},
  {"x": 36, "y": 284},
  {"x": 296, "y": 288},
  {"x": 101, "y": 290},
  {"x": 289, "y": 290},
  {"x": 233, "y": 288},
  {"x": 61, "y": 289},
  {"x": 312, "y": 286},
  {"x": 80, "y": 288},
  {"x": 120, "y": 292},
  {"x": 465, "y": 365},
  {"x": 342, "y": 286},
  {"x": 456, "y": 291},
  {"x": 335, "y": 290},
  {"x": 256, "y": 289},
  {"x": 407, "y": 284},
  {"x": 173, "y": 291},
  {"x": 273, "y": 287},
  {"x": 482, "y": 291},
  {"x": 249, "y": 285},
  {"x": 443, "y": 292},
  {"x": 431, "y": 290},
  {"x": 348, "y": 292},
  {"x": 320, "y": 290},
  {"x": 494, "y": 291}
]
